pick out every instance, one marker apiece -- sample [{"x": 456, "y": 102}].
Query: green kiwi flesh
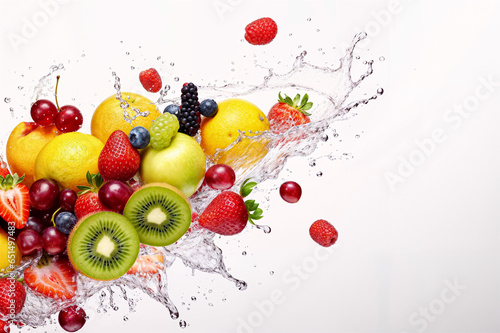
[
  {"x": 103, "y": 246},
  {"x": 159, "y": 214}
]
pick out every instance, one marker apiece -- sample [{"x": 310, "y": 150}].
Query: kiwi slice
[
  {"x": 103, "y": 246},
  {"x": 160, "y": 213}
]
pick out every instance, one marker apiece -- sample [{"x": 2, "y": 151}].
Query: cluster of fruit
[{"x": 88, "y": 202}]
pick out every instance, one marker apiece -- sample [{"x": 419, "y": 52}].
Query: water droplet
[
  {"x": 176, "y": 79},
  {"x": 125, "y": 318},
  {"x": 182, "y": 324},
  {"x": 271, "y": 273},
  {"x": 158, "y": 58},
  {"x": 224, "y": 299},
  {"x": 358, "y": 57},
  {"x": 312, "y": 163},
  {"x": 209, "y": 291},
  {"x": 83, "y": 55},
  {"x": 241, "y": 285},
  {"x": 20, "y": 87},
  {"x": 172, "y": 64},
  {"x": 210, "y": 304},
  {"x": 116, "y": 308},
  {"x": 193, "y": 298},
  {"x": 381, "y": 58},
  {"x": 319, "y": 174},
  {"x": 244, "y": 253},
  {"x": 290, "y": 35},
  {"x": 6, "y": 100},
  {"x": 127, "y": 53},
  {"x": 308, "y": 19},
  {"x": 380, "y": 91},
  {"x": 317, "y": 30},
  {"x": 324, "y": 137},
  {"x": 357, "y": 136},
  {"x": 132, "y": 67}
]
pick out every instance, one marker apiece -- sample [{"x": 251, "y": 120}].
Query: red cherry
[
  {"x": 220, "y": 177},
  {"x": 290, "y": 192},
  {"x": 43, "y": 112},
  {"x": 69, "y": 119}
]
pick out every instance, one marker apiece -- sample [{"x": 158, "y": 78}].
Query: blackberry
[{"x": 189, "y": 115}]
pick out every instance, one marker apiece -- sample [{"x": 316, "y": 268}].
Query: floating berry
[
  {"x": 150, "y": 80},
  {"x": 323, "y": 233},
  {"x": 290, "y": 192},
  {"x": 261, "y": 31}
]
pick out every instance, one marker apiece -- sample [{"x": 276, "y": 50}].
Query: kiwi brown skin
[
  {"x": 68, "y": 248},
  {"x": 168, "y": 186}
]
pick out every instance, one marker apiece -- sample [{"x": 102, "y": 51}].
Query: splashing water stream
[{"x": 197, "y": 249}]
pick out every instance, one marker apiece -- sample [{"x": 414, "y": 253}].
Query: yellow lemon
[
  {"x": 219, "y": 132},
  {"x": 24, "y": 143},
  {"x": 109, "y": 115},
  {"x": 67, "y": 158},
  {"x": 9, "y": 253}
]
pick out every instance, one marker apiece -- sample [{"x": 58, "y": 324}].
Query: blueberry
[
  {"x": 173, "y": 109},
  {"x": 65, "y": 221},
  {"x": 208, "y": 108},
  {"x": 139, "y": 137}
]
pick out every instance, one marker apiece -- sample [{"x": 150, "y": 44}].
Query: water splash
[{"x": 197, "y": 249}]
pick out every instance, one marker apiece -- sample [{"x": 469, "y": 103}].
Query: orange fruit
[
  {"x": 24, "y": 143},
  {"x": 109, "y": 115},
  {"x": 219, "y": 132}
]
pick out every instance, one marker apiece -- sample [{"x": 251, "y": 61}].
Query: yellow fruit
[
  {"x": 109, "y": 115},
  {"x": 220, "y": 131},
  {"x": 9, "y": 253},
  {"x": 24, "y": 143},
  {"x": 67, "y": 158}
]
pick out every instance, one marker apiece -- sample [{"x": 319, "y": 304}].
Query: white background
[{"x": 400, "y": 247}]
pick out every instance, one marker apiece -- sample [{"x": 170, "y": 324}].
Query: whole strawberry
[
  {"x": 227, "y": 214},
  {"x": 118, "y": 160},
  {"x": 88, "y": 198},
  {"x": 14, "y": 200},
  {"x": 12, "y": 296},
  {"x": 323, "y": 233},
  {"x": 261, "y": 31},
  {"x": 150, "y": 80},
  {"x": 288, "y": 113}
]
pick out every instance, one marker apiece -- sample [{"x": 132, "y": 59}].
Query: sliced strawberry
[
  {"x": 53, "y": 277},
  {"x": 147, "y": 265},
  {"x": 14, "y": 200}
]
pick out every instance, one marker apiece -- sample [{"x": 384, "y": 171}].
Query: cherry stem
[{"x": 57, "y": 84}]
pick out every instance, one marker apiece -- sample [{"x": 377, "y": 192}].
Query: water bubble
[
  {"x": 172, "y": 64},
  {"x": 193, "y": 298},
  {"x": 324, "y": 137},
  {"x": 132, "y": 67},
  {"x": 182, "y": 324},
  {"x": 290, "y": 35},
  {"x": 158, "y": 58},
  {"x": 312, "y": 163},
  {"x": 20, "y": 87},
  {"x": 176, "y": 79},
  {"x": 319, "y": 174},
  {"x": 83, "y": 55},
  {"x": 317, "y": 30},
  {"x": 209, "y": 291},
  {"x": 271, "y": 273},
  {"x": 6, "y": 99},
  {"x": 308, "y": 19},
  {"x": 125, "y": 318},
  {"x": 241, "y": 285},
  {"x": 210, "y": 304},
  {"x": 380, "y": 91},
  {"x": 224, "y": 299},
  {"x": 244, "y": 253},
  {"x": 357, "y": 136},
  {"x": 358, "y": 57},
  {"x": 127, "y": 53},
  {"x": 381, "y": 58}
]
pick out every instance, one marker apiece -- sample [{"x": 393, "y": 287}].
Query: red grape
[
  {"x": 67, "y": 199},
  {"x": 34, "y": 223},
  {"x": 43, "y": 112},
  {"x": 29, "y": 241},
  {"x": 290, "y": 192},
  {"x": 220, "y": 177},
  {"x": 43, "y": 194},
  {"x": 69, "y": 119},
  {"x": 114, "y": 194},
  {"x": 72, "y": 318},
  {"x": 54, "y": 241}
]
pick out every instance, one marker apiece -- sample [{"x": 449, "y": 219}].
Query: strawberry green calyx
[
  {"x": 95, "y": 181},
  {"x": 10, "y": 181},
  {"x": 300, "y": 105},
  {"x": 254, "y": 212}
]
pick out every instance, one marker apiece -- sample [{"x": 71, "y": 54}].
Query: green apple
[{"x": 182, "y": 164}]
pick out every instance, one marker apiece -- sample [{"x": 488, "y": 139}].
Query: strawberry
[
  {"x": 323, "y": 233},
  {"x": 12, "y": 296},
  {"x": 53, "y": 277},
  {"x": 4, "y": 171},
  {"x": 150, "y": 80},
  {"x": 4, "y": 326},
  {"x": 118, "y": 160},
  {"x": 14, "y": 200},
  {"x": 88, "y": 199},
  {"x": 261, "y": 31},
  {"x": 147, "y": 265},
  {"x": 227, "y": 214},
  {"x": 288, "y": 113}
]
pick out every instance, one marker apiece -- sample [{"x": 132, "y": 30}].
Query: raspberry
[
  {"x": 150, "y": 80},
  {"x": 162, "y": 130},
  {"x": 261, "y": 31},
  {"x": 323, "y": 233},
  {"x": 189, "y": 115}
]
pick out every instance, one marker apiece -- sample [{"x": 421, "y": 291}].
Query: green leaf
[
  {"x": 247, "y": 187},
  {"x": 296, "y": 100},
  {"x": 280, "y": 99},
  {"x": 288, "y": 100},
  {"x": 304, "y": 100},
  {"x": 89, "y": 178},
  {"x": 307, "y": 106}
]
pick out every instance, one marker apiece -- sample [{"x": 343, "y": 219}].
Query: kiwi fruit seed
[
  {"x": 160, "y": 213},
  {"x": 103, "y": 246}
]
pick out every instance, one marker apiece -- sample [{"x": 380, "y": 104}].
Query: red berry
[
  {"x": 261, "y": 31},
  {"x": 12, "y": 296},
  {"x": 118, "y": 160},
  {"x": 323, "y": 233},
  {"x": 225, "y": 215},
  {"x": 290, "y": 192},
  {"x": 150, "y": 80},
  {"x": 220, "y": 177},
  {"x": 43, "y": 112},
  {"x": 69, "y": 119}
]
